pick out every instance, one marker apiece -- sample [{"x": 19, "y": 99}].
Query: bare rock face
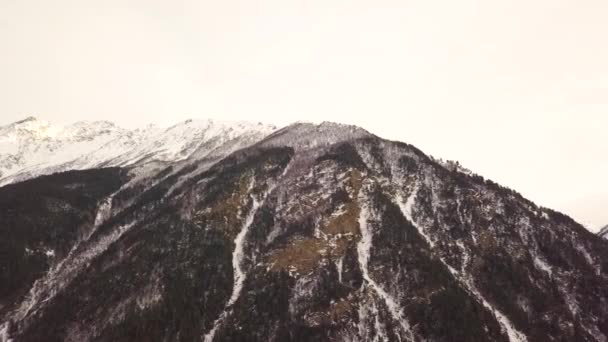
[{"x": 313, "y": 233}]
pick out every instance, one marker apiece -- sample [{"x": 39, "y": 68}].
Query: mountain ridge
[
  {"x": 33, "y": 147},
  {"x": 310, "y": 233}
]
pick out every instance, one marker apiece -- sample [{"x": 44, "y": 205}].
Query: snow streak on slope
[
  {"x": 237, "y": 256},
  {"x": 507, "y": 326},
  {"x": 103, "y": 212},
  {"x": 363, "y": 252},
  {"x": 239, "y": 274},
  {"x": 4, "y": 337}
]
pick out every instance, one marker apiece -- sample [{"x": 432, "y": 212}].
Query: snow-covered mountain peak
[
  {"x": 32, "y": 128},
  {"x": 28, "y": 127},
  {"x": 317, "y": 232},
  {"x": 32, "y": 147}
]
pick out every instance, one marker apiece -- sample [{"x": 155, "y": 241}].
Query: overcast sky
[{"x": 515, "y": 90}]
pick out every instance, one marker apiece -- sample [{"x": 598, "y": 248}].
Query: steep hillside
[
  {"x": 42, "y": 219},
  {"x": 319, "y": 233}
]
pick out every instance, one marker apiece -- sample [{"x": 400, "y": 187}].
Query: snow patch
[
  {"x": 406, "y": 209},
  {"x": 542, "y": 265},
  {"x": 103, "y": 211},
  {"x": 4, "y": 336},
  {"x": 340, "y": 267},
  {"x": 237, "y": 256}
]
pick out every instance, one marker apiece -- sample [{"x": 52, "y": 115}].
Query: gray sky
[{"x": 516, "y": 90}]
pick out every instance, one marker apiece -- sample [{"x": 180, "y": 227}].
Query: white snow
[
  {"x": 542, "y": 265},
  {"x": 339, "y": 267},
  {"x": 237, "y": 256},
  {"x": 4, "y": 337},
  {"x": 406, "y": 209},
  {"x": 35, "y": 147},
  {"x": 103, "y": 211}
]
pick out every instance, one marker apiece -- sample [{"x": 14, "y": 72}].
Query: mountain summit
[{"x": 307, "y": 233}]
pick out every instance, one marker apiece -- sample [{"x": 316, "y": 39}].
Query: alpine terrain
[
  {"x": 33, "y": 147},
  {"x": 211, "y": 231}
]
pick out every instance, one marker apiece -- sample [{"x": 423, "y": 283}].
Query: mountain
[
  {"x": 603, "y": 232},
  {"x": 33, "y": 147},
  {"x": 311, "y": 233}
]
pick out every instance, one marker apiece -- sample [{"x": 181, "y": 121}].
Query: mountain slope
[
  {"x": 41, "y": 221},
  {"x": 33, "y": 147},
  {"x": 603, "y": 232},
  {"x": 319, "y": 233}
]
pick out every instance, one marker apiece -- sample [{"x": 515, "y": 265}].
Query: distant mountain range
[
  {"x": 210, "y": 231},
  {"x": 33, "y": 147}
]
